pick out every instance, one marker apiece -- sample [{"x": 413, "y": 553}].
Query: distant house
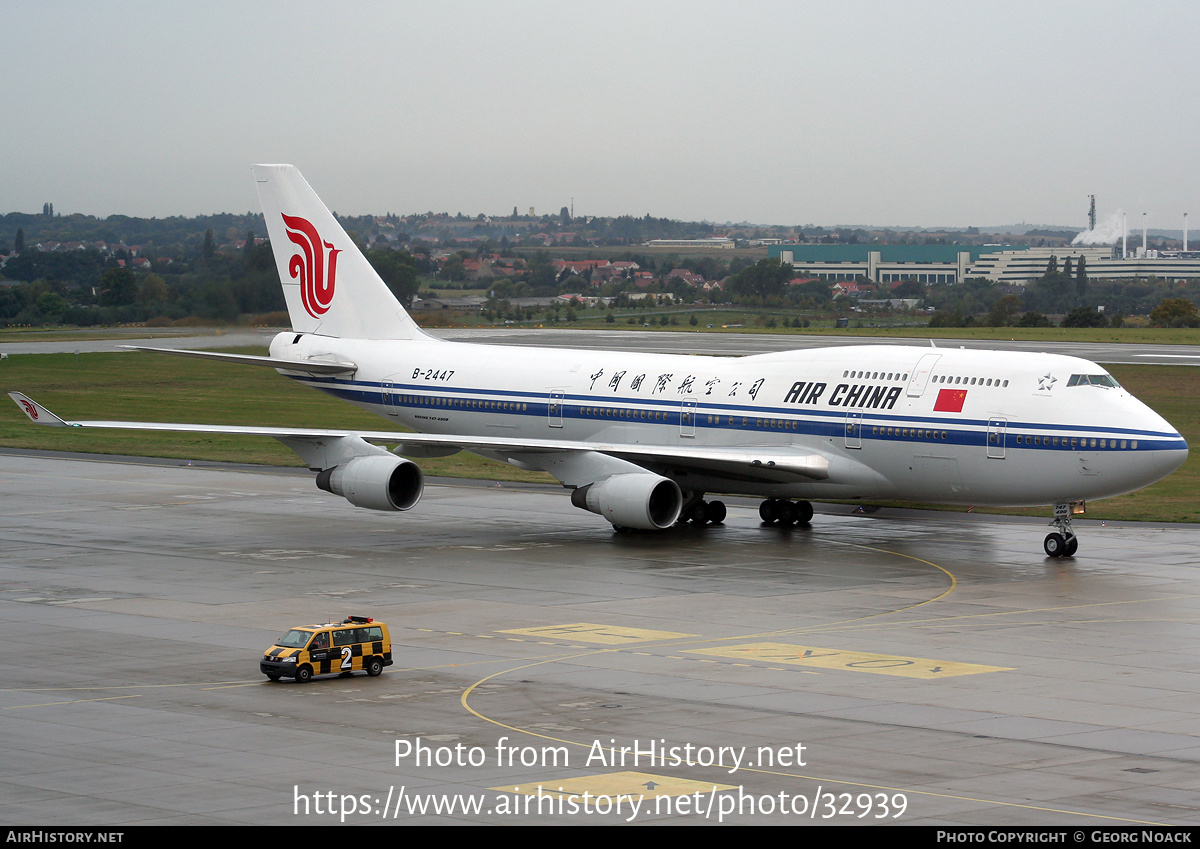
[
  {"x": 478, "y": 269},
  {"x": 686, "y": 276},
  {"x": 849, "y": 288},
  {"x": 579, "y": 267}
]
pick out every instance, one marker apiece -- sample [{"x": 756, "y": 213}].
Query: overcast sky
[{"x": 889, "y": 113}]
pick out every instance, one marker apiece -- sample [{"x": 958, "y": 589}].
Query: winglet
[{"x": 36, "y": 412}]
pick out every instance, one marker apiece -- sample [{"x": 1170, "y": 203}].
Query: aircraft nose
[{"x": 1172, "y": 458}]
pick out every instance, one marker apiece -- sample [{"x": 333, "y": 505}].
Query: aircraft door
[
  {"x": 920, "y": 375},
  {"x": 554, "y": 409},
  {"x": 389, "y": 398},
  {"x": 854, "y": 430},
  {"x": 687, "y": 417},
  {"x": 995, "y": 438}
]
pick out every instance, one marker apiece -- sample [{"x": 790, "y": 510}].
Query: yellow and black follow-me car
[{"x": 355, "y": 643}]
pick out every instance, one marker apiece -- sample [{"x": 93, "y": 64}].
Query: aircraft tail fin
[{"x": 330, "y": 287}]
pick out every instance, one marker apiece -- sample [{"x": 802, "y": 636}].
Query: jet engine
[
  {"x": 377, "y": 482},
  {"x": 644, "y": 501}
]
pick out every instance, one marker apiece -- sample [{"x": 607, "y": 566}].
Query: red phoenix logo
[
  {"x": 309, "y": 266},
  {"x": 30, "y": 410}
]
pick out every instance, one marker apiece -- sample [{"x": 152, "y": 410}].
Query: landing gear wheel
[
  {"x": 768, "y": 511},
  {"x": 804, "y": 512},
  {"x": 699, "y": 514},
  {"x": 787, "y": 513},
  {"x": 716, "y": 512},
  {"x": 1055, "y": 545},
  {"x": 1062, "y": 543}
]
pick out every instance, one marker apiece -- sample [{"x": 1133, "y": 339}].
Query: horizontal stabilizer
[{"x": 307, "y": 366}]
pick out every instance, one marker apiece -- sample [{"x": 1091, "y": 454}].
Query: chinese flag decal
[{"x": 950, "y": 400}]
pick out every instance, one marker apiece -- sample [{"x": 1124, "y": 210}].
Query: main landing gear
[
  {"x": 785, "y": 513},
  {"x": 701, "y": 513},
  {"x": 1062, "y": 543}
]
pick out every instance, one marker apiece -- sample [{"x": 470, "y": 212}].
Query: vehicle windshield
[{"x": 294, "y": 639}]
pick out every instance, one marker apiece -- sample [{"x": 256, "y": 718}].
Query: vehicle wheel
[
  {"x": 1055, "y": 545},
  {"x": 768, "y": 511},
  {"x": 1072, "y": 547},
  {"x": 716, "y": 512},
  {"x": 374, "y": 666},
  {"x": 304, "y": 674},
  {"x": 272, "y": 676},
  {"x": 804, "y": 512}
]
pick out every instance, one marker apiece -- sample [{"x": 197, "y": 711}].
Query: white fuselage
[{"x": 897, "y": 422}]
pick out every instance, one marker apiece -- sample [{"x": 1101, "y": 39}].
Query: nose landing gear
[{"x": 1062, "y": 543}]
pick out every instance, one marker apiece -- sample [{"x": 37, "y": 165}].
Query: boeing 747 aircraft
[{"x": 643, "y": 439}]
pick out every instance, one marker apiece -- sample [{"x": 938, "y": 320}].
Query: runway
[
  {"x": 897, "y": 666},
  {"x": 650, "y": 341},
  {"x": 741, "y": 344}
]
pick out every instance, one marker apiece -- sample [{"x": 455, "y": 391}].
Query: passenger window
[{"x": 344, "y": 637}]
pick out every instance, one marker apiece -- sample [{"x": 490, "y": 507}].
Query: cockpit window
[{"x": 1093, "y": 380}]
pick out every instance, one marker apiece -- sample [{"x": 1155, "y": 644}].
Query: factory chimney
[{"x": 1092, "y": 213}]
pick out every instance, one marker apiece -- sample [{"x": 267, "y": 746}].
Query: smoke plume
[{"x": 1108, "y": 232}]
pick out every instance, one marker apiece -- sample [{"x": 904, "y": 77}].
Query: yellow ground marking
[
  {"x": 615, "y": 784},
  {"x": 853, "y": 661},
  {"x": 605, "y": 634},
  {"x": 464, "y": 700}
]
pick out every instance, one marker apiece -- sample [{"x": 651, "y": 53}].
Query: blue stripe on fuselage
[{"x": 959, "y": 431}]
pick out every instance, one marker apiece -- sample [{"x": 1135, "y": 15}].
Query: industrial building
[{"x": 1014, "y": 264}]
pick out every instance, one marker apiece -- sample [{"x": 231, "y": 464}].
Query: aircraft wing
[
  {"x": 304, "y": 366},
  {"x": 768, "y": 463}
]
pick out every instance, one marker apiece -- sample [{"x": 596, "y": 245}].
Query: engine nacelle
[
  {"x": 644, "y": 501},
  {"x": 377, "y": 482}
]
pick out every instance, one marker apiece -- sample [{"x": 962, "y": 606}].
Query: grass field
[{"x": 145, "y": 387}]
